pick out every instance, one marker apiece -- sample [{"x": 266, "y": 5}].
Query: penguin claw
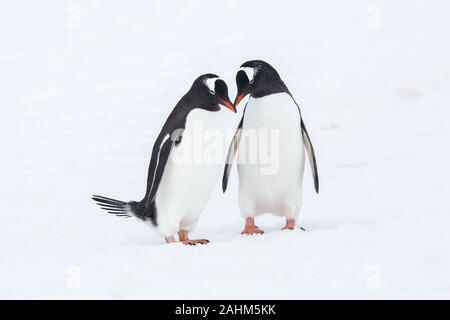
[
  {"x": 195, "y": 242},
  {"x": 252, "y": 231},
  {"x": 292, "y": 228}
]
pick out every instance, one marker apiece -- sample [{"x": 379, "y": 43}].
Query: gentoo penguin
[
  {"x": 271, "y": 113},
  {"x": 180, "y": 181}
]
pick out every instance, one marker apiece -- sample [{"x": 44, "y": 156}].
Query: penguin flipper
[
  {"x": 160, "y": 155},
  {"x": 232, "y": 150},
  {"x": 311, "y": 155}
]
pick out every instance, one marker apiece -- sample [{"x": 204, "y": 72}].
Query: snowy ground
[{"x": 86, "y": 86}]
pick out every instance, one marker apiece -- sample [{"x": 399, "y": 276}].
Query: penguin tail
[{"x": 119, "y": 208}]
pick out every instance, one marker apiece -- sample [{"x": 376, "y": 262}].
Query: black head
[
  {"x": 209, "y": 91},
  {"x": 258, "y": 79}
]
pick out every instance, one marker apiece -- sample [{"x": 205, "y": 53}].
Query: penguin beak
[
  {"x": 239, "y": 98},
  {"x": 227, "y": 103}
]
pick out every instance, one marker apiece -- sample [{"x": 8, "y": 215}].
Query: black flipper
[
  {"x": 309, "y": 149},
  {"x": 232, "y": 150},
  {"x": 311, "y": 155},
  {"x": 160, "y": 156}
]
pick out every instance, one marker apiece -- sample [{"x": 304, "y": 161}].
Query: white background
[{"x": 86, "y": 85}]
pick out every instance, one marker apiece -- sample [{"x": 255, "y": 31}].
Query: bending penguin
[
  {"x": 273, "y": 186},
  {"x": 178, "y": 185}
]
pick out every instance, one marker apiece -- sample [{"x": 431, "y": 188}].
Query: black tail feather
[
  {"x": 127, "y": 209},
  {"x": 115, "y": 207},
  {"x": 107, "y": 200}
]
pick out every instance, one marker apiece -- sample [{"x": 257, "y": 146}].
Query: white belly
[
  {"x": 271, "y": 157},
  {"x": 190, "y": 174}
]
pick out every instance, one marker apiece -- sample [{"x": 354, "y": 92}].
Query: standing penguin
[
  {"x": 180, "y": 181},
  {"x": 271, "y": 108}
]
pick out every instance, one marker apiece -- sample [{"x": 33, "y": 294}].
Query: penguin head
[
  {"x": 211, "y": 90},
  {"x": 258, "y": 79}
]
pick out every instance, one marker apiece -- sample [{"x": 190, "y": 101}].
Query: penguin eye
[{"x": 211, "y": 91}]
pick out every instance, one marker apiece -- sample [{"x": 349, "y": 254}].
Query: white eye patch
[
  {"x": 211, "y": 84},
  {"x": 250, "y": 72}
]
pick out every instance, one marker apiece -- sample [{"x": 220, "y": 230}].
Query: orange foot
[
  {"x": 195, "y": 242},
  {"x": 251, "y": 228},
  {"x": 290, "y": 224}
]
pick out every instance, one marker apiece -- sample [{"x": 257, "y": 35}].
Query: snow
[{"x": 86, "y": 86}]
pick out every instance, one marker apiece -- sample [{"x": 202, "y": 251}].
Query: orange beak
[
  {"x": 239, "y": 98},
  {"x": 228, "y": 105}
]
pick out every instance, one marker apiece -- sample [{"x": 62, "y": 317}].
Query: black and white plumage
[
  {"x": 171, "y": 203},
  {"x": 270, "y": 107}
]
